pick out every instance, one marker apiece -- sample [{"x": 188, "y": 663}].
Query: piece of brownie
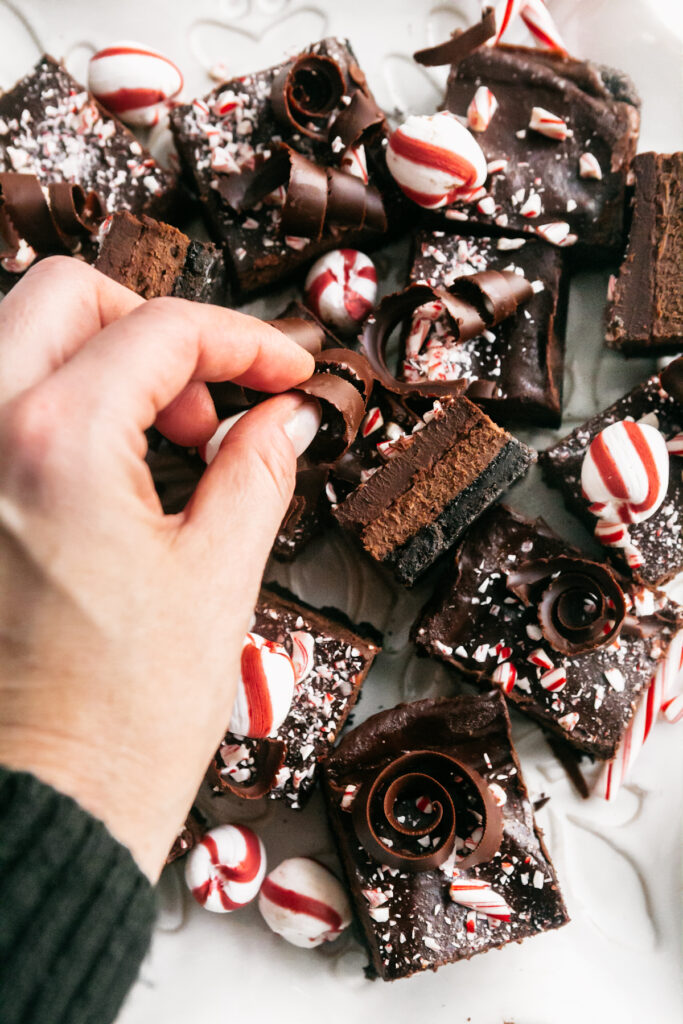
[
  {"x": 154, "y": 259},
  {"x": 341, "y": 654},
  {"x": 645, "y": 313},
  {"x": 569, "y": 190},
  {"x": 437, "y": 481},
  {"x": 479, "y": 624},
  {"x": 426, "y": 916},
  {"x": 235, "y": 127},
  {"x": 523, "y": 356},
  {"x": 651, "y": 551}
]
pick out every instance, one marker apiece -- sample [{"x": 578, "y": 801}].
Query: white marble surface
[{"x": 619, "y": 864}]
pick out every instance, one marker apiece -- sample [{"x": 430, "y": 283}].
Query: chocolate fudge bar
[
  {"x": 154, "y": 259},
  {"x": 651, "y": 551},
  {"x": 437, "y": 481},
  {"x": 645, "y": 314},
  {"x": 341, "y": 654},
  {"x": 236, "y": 128},
  {"x": 429, "y": 890},
  {"x": 567, "y": 185},
  {"x": 523, "y": 356},
  {"x": 499, "y": 617}
]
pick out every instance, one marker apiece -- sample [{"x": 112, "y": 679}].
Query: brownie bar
[
  {"x": 523, "y": 356},
  {"x": 155, "y": 259},
  {"x": 654, "y": 555},
  {"x": 410, "y": 920},
  {"x": 416, "y": 506},
  {"x": 239, "y": 114},
  {"x": 645, "y": 314},
  {"x": 476, "y": 623},
  {"x": 601, "y": 110},
  {"x": 285, "y": 766}
]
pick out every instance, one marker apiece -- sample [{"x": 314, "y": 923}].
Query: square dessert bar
[
  {"x": 235, "y": 128},
  {"x": 440, "y": 894},
  {"x": 437, "y": 481},
  {"x": 155, "y": 259},
  {"x": 645, "y": 314},
  {"x": 523, "y": 356},
  {"x": 566, "y": 179},
  {"x": 649, "y": 549},
  {"x": 508, "y": 615},
  {"x": 285, "y": 766}
]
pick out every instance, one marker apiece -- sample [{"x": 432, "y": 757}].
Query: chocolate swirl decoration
[
  {"x": 305, "y": 92},
  {"x": 431, "y": 774},
  {"x": 461, "y": 44},
  {"x": 581, "y": 607},
  {"x": 50, "y": 219},
  {"x": 342, "y": 385},
  {"x": 318, "y": 198},
  {"x": 473, "y": 303}
]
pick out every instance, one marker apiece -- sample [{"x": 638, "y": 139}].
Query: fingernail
[
  {"x": 303, "y": 425},
  {"x": 209, "y": 451}
]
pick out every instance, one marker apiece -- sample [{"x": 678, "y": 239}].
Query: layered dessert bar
[
  {"x": 645, "y": 313},
  {"x": 437, "y": 835}
]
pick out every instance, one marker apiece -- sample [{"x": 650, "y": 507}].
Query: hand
[{"x": 121, "y": 628}]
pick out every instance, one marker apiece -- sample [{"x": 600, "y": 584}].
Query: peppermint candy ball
[
  {"x": 434, "y": 157},
  {"x": 225, "y": 869},
  {"x": 133, "y": 81},
  {"x": 265, "y": 688},
  {"x": 304, "y": 902},
  {"x": 341, "y": 288},
  {"x": 625, "y": 472}
]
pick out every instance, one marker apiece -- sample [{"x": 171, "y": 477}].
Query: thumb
[{"x": 242, "y": 497}]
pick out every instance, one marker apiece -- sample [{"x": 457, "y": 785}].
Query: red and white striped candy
[
  {"x": 537, "y": 19},
  {"x": 589, "y": 167},
  {"x": 548, "y": 124},
  {"x": 434, "y": 157},
  {"x": 265, "y": 688},
  {"x": 478, "y": 894},
  {"x": 506, "y": 675},
  {"x": 625, "y": 472},
  {"x": 612, "y": 535},
  {"x": 674, "y": 446},
  {"x": 133, "y": 81},
  {"x": 341, "y": 288},
  {"x": 505, "y": 13},
  {"x": 556, "y": 232},
  {"x": 304, "y": 902},
  {"x": 665, "y": 694},
  {"x": 554, "y": 680},
  {"x": 225, "y": 870},
  {"x": 540, "y": 658},
  {"x": 373, "y": 421},
  {"x": 354, "y": 162},
  {"x": 303, "y": 653},
  {"x": 481, "y": 109}
]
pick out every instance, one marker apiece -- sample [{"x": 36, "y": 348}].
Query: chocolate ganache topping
[
  {"x": 50, "y": 220},
  {"x": 581, "y": 607},
  {"x": 384, "y": 828}
]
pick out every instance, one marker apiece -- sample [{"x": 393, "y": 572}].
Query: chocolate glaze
[{"x": 418, "y": 926}]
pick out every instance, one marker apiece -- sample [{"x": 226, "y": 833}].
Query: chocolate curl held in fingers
[
  {"x": 473, "y": 303},
  {"x": 461, "y": 44},
  {"x": 269, "y": 756},
  {"x": 318, "y": 198},
  {"x": 342, "y": 385},
  {"x": 423, "y": 773},
  {"x": 49, "y": 223},
  {"x": 305, "y": 92}
]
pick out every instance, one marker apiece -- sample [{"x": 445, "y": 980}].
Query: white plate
[{"x": 618, "y": 864}]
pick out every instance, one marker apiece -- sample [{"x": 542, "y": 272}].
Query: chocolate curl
[
  {"x": 342, "y": 386},
  {"x": 269, "y": 756},
  {"x": 357, "y": 120},
  {"x": 581, "y": 607},
  {"x": 303, "y": 332},
  {"x": 671, "y": 379},
  {"x": 430, "y": 774},
  {"x": 350, "y": 365},
  {"x": 305, "y": 92},
  {"x": 48, "y": 224},
  {"x": 461, "y": 44},
  {"x": 317, "y": 197}
]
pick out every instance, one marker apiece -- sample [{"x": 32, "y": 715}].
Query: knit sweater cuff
[{"x": 76, "y": 913}]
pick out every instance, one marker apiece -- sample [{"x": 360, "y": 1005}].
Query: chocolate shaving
[
  {"x": 51, "y": 223},
  {"x": 431, "y": 774},
  {"x": 268, "y": 755},
  {"x": 304, "y": 332},
  {"x": 318, "y": 198},
  {"x": 355, "y": 122},
  {"x": 581, "y": 607},
  {"x": 305, "y": 92},
  {"x": 461, "y": 44}
]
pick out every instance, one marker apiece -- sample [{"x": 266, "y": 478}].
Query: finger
[
  {"x": 137, "y": 366},
  {"x": 242, "y": 497},
  {"x": 57, "y": 306},
  {"x": 190, "y": 419}
]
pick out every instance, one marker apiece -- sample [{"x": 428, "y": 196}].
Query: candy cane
[
  {"x": 537, "y": 19},
  {"x": 478, "y": 894}
]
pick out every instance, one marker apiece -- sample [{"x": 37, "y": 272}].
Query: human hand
[{"x": 121, "y": 628}]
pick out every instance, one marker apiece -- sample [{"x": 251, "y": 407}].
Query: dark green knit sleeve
[{"x": 76, "y": 913}]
